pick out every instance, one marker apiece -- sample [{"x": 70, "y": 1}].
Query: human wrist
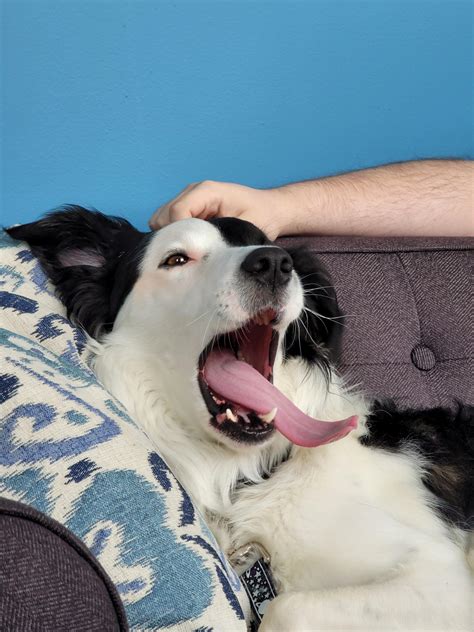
[{"x": 300, "y": 207}]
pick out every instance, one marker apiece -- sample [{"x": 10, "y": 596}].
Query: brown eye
[{"x": 178, "y": 259}]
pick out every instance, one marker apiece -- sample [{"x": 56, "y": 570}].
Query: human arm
[{"x": 418, "y": 198}]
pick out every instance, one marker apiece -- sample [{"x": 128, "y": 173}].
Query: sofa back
[{"x": 408, "y": 305}]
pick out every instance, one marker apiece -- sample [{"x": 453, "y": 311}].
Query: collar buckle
[{"x": 252, "y": 563}]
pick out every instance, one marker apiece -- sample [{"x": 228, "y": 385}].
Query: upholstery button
[{"x": 423, "y": 358}]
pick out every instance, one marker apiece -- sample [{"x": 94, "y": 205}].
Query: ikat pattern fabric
[{"x": 68, "y": 448}]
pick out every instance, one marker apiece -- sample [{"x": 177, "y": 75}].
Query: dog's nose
[{"x": 270, "y": 266}]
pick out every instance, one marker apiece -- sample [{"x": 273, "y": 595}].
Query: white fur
[{"x": 354, "y": 541}]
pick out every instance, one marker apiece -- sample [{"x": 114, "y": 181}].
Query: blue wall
[{"x": 120, "y": 104}]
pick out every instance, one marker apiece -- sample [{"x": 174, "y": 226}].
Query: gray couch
[
  {"x": 407, "y": 336},
  {"x": 408, "y": 329}
]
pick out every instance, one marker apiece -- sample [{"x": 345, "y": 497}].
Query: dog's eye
[{"x": 176, "y": 259}]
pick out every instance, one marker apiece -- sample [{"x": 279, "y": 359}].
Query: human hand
[
  {"x": 399, "y": 199},
  {"x": 263, "y": 207}
]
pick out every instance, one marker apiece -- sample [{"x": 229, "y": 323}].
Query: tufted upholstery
[{"x": 408, "y": 301}]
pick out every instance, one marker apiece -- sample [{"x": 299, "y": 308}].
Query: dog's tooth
[
  {"x": 230, "y": 415},
  {"x": 221, "y": 417},
  {"x": 245, "y": 417},
  {"x": 270, "y": 416}
]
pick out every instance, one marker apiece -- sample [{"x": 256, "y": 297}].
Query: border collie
[{"x": 221, "y": 345}]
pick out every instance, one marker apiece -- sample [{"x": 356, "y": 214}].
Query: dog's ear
[
  {"x": 317, "y": 334},
  {"x": 87, "y": 256}
]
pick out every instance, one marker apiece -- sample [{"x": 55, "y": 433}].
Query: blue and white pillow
[{"x": 68, "y": 448}]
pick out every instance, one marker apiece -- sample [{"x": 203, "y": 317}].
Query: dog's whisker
[
  {"x": 318, "y": 286},
  {"x": 332, "y": 318},
  {"x": 198, "y": 318},
  {"x": 311, "y": 293},
  {"x": 207, "y": 327},
  {"x": 307, "y": 310},
  {"x": 309, "y": 334},
  {"x": 299, "y": 336}
]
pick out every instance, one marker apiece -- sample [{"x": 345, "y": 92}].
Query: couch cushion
[
  {"x": 49, "y": 580},
  {"x": 408, "y": 301},
  {"x": 70, "y": 450}
]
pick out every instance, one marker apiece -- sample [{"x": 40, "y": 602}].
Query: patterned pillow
[{"x": 68, "y": 448}]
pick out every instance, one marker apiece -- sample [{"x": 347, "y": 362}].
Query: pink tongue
[{"x": 242, "y": 384}]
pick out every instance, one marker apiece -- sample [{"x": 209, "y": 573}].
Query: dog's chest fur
[{"x": 339, "y": 515}]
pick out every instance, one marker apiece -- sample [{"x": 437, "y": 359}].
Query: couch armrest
[{"x": 49, "y": 580}]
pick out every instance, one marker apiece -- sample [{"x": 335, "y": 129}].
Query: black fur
[
  {"x": 322, "y": 326},
  {"x": 92, "y": 295},
  {"x": 445, "y": 440},
  {"x": 238, "y": 232}
]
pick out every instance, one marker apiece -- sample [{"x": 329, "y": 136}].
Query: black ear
[
  {"x": 91, "y": 258},
  {"x": 316, "y": 336}
]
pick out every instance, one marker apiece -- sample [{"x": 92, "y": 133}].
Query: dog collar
[{"x": 252, "y": 564}]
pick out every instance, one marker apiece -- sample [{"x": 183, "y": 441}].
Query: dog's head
[{"x": 215, "y": 302}]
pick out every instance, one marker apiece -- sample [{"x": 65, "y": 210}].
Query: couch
[{"x": 95, "y": 531}]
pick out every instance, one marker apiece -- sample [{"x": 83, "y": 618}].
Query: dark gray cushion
[
  {"x": 408, "y": 330},
  {"x": 49, "y": 581}
]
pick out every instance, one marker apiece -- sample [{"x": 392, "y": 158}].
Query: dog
[{"x": 222, "y": 346}]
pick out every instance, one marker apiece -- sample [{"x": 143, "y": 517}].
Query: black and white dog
[{"x": 220, "y": 344}]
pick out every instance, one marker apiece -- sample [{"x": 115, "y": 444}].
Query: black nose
[{"x": 270, "y": 266}]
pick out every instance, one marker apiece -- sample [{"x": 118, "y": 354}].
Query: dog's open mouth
[
  {"x": 235, "y": 378},
  {"x": 256, "y": 345}
]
